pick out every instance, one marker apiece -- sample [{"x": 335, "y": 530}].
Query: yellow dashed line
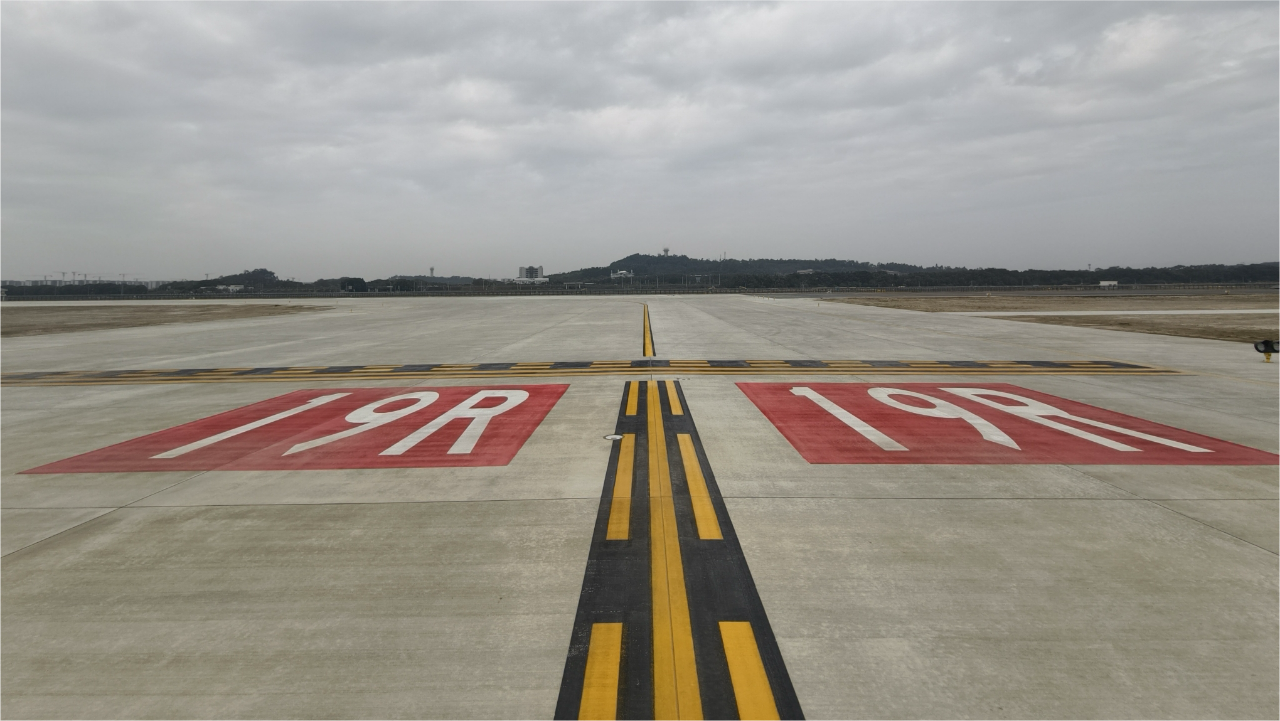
[
  {"x": 704, "y": 514},
  {"x": 746, "y": 670},
  {"x": 600, "y": 686},
  {"x": 620, "y": 506},
  {"x": 673, "y": 399}
]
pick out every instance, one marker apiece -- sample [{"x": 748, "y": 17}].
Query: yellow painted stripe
[
  {"x": 673, "y": 399},
  {"x": 633, "y": 397},
  {"x": 675, "y": 669},
  {"x": 600, "y": 685},
  {"x": 648, "y": 334},
  {"x": 746, "y": 671},
  {"x": 703, "y": 512},
  {"x": 620, "y": 507}
]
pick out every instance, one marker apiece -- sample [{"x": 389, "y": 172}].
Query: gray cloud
[{"x": 172, "y": 139}]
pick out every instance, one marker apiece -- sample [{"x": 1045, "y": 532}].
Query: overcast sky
[{"x": 169, "y": 140}]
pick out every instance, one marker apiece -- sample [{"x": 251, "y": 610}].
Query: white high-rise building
[{"x": 530, "y": 274}]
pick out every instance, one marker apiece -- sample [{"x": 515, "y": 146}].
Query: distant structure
[
  {"x": 530, "y": 274},
  {"x": 807, "y": 271},
  {"x": 151, "y": 284},
  {"x": 1108, "y": 283},
  {"x": 666, "y": 251},
  {"x": 621, "y": 274}
]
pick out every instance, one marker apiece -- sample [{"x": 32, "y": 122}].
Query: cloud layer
[{"x": 319, "y": 139}]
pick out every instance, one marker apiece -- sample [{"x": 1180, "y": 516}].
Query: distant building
[
  {"x": 1108, "y": 283},
  {"x": 621, "y": 274},
  {"x": 530, "y": 274},
  {"x": 807, "y": 271},
  {"x": 230, "y": 288}
]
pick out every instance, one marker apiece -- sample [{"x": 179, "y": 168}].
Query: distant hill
[
  {"x": 652, "y": 265},
  {"x": 784, "y": 273}
]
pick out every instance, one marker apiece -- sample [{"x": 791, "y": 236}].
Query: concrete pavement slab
[
  {"x": 1013, "y": 608},
  {"x": 411, "y": 610},
  {"x": 895, "y": 590}
]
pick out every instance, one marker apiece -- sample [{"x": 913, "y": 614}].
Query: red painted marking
[
  {"x": 821, "y": 437},
  {"x": 265, "y": 447}
]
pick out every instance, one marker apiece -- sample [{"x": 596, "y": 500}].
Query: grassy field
[
  {"x": 1242, "y": 327},
  {"x": 1006, "y": 303},
  {"x": 1245, "y": 328},
  {"x": 21, "y": 319}
]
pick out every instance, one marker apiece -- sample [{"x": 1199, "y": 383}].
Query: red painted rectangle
[
  {"x": 340, "y": 428},
  {"x": 964, "y": 423}
]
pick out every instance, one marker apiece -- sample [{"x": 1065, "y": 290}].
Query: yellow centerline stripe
[
  {"x": 620, "y": 506},
  {"x": 675, "y": 668},
  {"x": 746, "y": 670},
  {"x": 648, "y": 334},
  {"x": 600, "y": 685},
  {"x": 703, "y": 512}
]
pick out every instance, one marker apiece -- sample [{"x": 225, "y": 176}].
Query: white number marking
[
  {"x": 369, "y": 418},
  {"x": 885, "y": 442},
  {"x": 314, "y": 402},
  {"x": 943, "y": 409},
  {"x": 1038, "y": 412},
  {"x": 479, "y": 421}
]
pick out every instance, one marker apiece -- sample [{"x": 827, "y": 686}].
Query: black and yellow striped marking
[
  {"x": 575, "y": 368},
  {"x": 669, "y": 624},
  {"x": 647, "y": 342}
]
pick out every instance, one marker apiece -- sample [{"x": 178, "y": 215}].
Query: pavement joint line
[
  {"x": 589, "y": 498},
  {"x": 1210, "y": 525},
  {"x": 670, "y": 585},
  {"x": 548, "y": 369},
  {"x": 59, "y": 533},
  {"x": 1171, "y": 510},
  {"x": 114, "y": 509}
]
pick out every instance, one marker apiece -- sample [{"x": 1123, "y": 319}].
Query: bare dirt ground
[
  {"x": 1241, "y": 327},
  {"x": 943, "y": 304},
  {"x": 34, "y": 319}
]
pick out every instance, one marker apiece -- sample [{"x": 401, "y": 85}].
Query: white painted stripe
[{"x": 250, "y": 426}]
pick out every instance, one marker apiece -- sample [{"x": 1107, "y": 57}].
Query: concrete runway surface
[{"x": 779, "y": 538}]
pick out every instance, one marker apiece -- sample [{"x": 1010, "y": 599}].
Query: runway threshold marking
[
  {"x": 561, "y": 369},
  {"x": 694, "y": 638},
  {"x": 648, "y": 335},
  {"x": 974, "y": 423},
  {"x": 340, "y": 428}
]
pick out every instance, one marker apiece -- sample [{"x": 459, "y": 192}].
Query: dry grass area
[
  {"x": 943, "y": 304},
  {"x": 1241, "y": 327},
  {"x": 19, "y": 319}
]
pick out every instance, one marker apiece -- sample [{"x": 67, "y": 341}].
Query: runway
[{"x": 653, "y": 507}]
